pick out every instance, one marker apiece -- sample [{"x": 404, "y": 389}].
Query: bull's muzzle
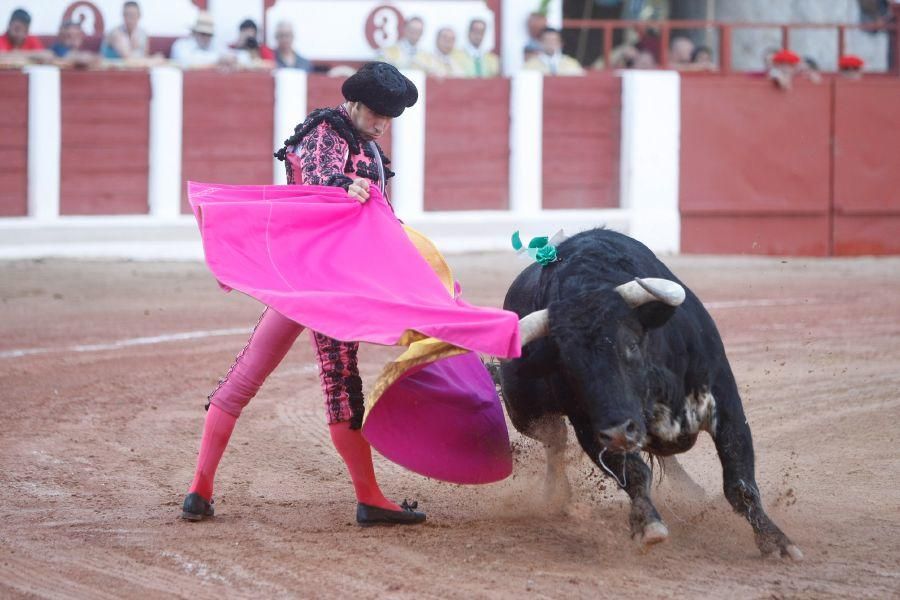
[{"x": 622, "y": 438}]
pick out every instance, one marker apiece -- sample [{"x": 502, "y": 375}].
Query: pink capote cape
[{"x": 349, "y": 271}]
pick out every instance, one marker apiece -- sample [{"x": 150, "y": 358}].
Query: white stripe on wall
[
  {"x": 44, "y": 141},
  {"x": 651, "y": 130},
  {"x": 290, "y": 109},
  {"x": 526, "y": 143},
  {"x": 166, "y": 113},
  {"x": 408, "y": 150}
]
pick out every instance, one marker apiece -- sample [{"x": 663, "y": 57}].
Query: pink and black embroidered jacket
[{"x": 326, "y": 150}]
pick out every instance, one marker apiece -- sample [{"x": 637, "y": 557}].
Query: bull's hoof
[
  {"x": 791, "y": 551},
  {"x": 654, "y": 533},
  {"x": 777, "y": 544}
]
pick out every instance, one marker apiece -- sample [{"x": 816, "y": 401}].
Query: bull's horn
[
  {"x": 640, "y": 291},
  {"x": 534, "y": 326}
]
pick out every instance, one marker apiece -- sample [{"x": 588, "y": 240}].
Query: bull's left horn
[
  {"x": 652, "y": 289},
  {"x": 534, "y": 326}
]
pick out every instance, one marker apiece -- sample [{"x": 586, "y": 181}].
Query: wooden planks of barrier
[
  {"x": 13, "y": 144},
  {"x": 227, "y": 130},
  {"x": 104, "y": 146}
]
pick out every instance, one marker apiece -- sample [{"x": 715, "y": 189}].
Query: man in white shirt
[{"x": 197, "y": 50}]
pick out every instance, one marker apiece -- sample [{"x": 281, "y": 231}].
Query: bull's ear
[{"x": 654, "y": 314}]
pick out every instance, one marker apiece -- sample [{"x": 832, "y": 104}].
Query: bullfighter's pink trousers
[{"x": 270, "y": 341}]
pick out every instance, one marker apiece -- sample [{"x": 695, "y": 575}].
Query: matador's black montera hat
[{"x": 382, "y": 88}]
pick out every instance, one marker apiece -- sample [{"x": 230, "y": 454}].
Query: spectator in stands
[
  {"x": 446, "y": 60},
  {"x": 784, "y": 67},
  {"x": 16, "y": 38},
  {"x": 551, "y": 60},
  {"x": 809, "y": 69},
  {"x": 127, "y": 40},
  {"x": 621, "y": 57},
  {"x": 406, "y": 51},
  {"x": 702, "y": 59},
  {"x": 285, "y": 55},
  {"x": 197, "y": 50},
  {"x": 879, "y": 12},
  {"x": 680, "y": 52},
  {"x": 645, "y": 60},
  {"x": 248, "y": 47},
  {"x": 535, "y": 24},
  {"x": 67, "y": 48},
  {"x": 68, "y": 40},
  {"x": 850, "y": 66},
  {"x": 480, "y": 63}
]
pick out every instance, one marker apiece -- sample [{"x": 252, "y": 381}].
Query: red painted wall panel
[
  {"x": 105, "y": 134},
  {"x": 783, "y": 234},
  {"x": 13, "y": 144},
  {"x": 467, "y": 144},
  {"x": 757, "y": 159},
  {"x": 866, "y": 166},
  {"x": 228, "y": 121},
  {"x": 581, "y": 145}
]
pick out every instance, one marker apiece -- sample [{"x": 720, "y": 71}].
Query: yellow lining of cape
[{"x": 422, "y": 349}]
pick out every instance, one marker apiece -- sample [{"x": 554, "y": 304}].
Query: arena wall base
[{"x": 148, "y": 238}]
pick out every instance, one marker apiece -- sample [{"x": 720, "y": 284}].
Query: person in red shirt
[{"x": 16, "y": 38}]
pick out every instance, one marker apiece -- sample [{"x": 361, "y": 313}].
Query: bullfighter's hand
[{"x": 359, "y": 189}]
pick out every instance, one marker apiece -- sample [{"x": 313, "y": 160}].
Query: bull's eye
[{"x": 632, "y": 351}]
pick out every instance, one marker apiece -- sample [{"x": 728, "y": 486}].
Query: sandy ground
[{"x": 98, "y": 442}]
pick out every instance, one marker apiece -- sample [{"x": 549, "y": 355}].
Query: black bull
[{"x": 635, "y": 366}]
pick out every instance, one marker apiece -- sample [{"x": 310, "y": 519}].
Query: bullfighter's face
[{"x": 367, "y": 122}]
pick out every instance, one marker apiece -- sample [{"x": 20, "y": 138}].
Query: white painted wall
[
  {"x": 324, "y": 29},
  {"x": 44, "y": 142},
  {"x": 408, "y": 149},
  {"x": 164, "y": 180},
  {"x": 290, "y": 109},
  {"x": 526, "y": 144},
  {"x": 649, "y": 173}
]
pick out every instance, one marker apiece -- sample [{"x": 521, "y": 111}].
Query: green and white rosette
[{"x": 542, "y": 249}]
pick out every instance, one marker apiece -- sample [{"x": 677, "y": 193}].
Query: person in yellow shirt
[
  {"x": 405, "y": 53},
  {"x": 446, "y": 60},
  {"x": 479, "y": 62},
  {"x": 551, "y": 60}
]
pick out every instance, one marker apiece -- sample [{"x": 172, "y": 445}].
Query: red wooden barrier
[
  {"x": 755, "y": 167},
  {"x": 104, "y": 147},
  {"x": 582, "y": 129},
  {"x": 866, "y": 167},
  {"x": 467, "y": 144},
  {"x": 228, "y": 121},
  {"x": 13, "y": 144}
]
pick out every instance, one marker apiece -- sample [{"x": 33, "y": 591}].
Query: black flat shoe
[
  {"x": 196, "y": 507},
  {"x": 372, "y": 515}
]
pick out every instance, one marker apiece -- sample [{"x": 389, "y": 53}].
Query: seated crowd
[{"x": 130, "y": 45}]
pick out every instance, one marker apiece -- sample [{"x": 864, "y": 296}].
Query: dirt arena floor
[{"x": 105, "y": 366}]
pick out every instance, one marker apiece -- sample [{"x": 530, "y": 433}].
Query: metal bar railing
[{"x": 725, "y": 31}]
